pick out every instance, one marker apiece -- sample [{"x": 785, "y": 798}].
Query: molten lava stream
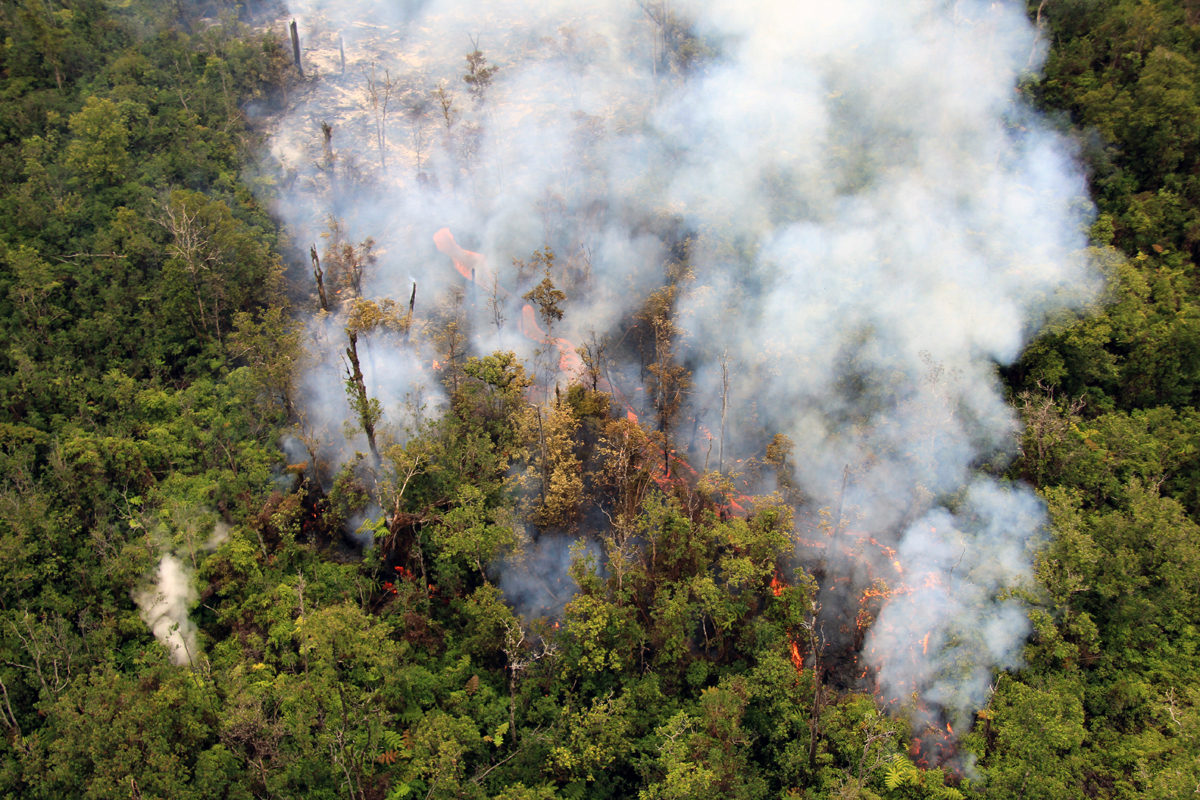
[{"x": 473, "y": 267}]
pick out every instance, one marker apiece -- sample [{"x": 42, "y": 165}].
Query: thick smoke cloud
[{"x": 872, "y": 221}]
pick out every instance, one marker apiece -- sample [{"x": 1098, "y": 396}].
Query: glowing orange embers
[{"x": 935, "y": 748}]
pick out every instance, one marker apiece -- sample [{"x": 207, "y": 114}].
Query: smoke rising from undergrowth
[
  {"x": 858, "y": 209},
  {"x": 165, "y": 609},
  {"x": 165, "y": 605}
]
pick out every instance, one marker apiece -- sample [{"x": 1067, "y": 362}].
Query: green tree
[{"x": 99, "y": 152}]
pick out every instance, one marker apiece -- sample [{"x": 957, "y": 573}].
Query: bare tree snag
[
  {"x": 412, "y": 302},
  {"x": 296, "y": 48},
  {"x": 379, "y": 93},
  {"x": 367, "y": 411},
  {"x": 320, "y": 276}
]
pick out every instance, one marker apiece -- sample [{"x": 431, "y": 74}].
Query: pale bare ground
[{"x": 417, "y": 58}]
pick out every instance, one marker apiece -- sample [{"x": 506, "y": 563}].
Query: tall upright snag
[
  {"x": 412, "y": 305},
  {"x": 296, "y": 48},
  {"x": 367, "y": 409},
  {"x": 320, "y": 276},
  {"x": 330, "y": 159}
]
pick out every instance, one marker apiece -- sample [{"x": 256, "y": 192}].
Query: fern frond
[{"x": 395, "y": 741}]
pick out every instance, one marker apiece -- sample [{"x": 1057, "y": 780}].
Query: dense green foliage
[{"x": 147, "y": 370}]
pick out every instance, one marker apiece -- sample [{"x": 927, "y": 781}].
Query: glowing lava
[{"x": 473, "y": 267}]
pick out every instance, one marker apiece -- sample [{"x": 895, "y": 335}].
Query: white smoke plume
[
  {"x": 956, "y": 623},
  {"x": 872, "y": 220},
  {"x": 165, "y": 609}
]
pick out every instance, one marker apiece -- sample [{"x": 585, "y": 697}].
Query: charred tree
[
  {"x": 320, "y": 276},
  {"x": 724, "y": 408},
  {"x": 412, "y": 304},
  {"x": 296, "y": 48},
  {"x": 330, "y": 158}
]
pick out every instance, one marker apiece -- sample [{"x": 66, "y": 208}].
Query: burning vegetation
[
  {"x": 727, "y": 322},
  {"x": 640, "y": 376}
]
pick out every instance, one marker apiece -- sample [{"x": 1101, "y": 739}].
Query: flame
[
  {"x": 776, "y": 585},
  {"x": 925, "y": 644},
  {"x": 949, "y": 730},
  {"x": 797, "y": 660}
]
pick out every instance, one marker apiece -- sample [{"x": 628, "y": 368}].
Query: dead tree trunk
[
  {"x": 366, "y": 411},
  {"x": 330, "y": 158},
  {"x": 724, "y": 407},
  {"x": 320, "y": 276},
  {"x": 412, "y": 302},
  {"x": 296, "y": 48},
  {"x": 837, "y": 518}
]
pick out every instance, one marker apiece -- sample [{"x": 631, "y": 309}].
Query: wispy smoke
[
  {"x": 535, "y": 581},
  {"x": 873, "y": 220},
  {"x": 943, "y": 638}
]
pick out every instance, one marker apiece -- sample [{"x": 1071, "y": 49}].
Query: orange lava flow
[
  {"x": 473, "y": 266},
  {"x": 465, "y": 261},
  {"x": 569, "y": 361}
]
